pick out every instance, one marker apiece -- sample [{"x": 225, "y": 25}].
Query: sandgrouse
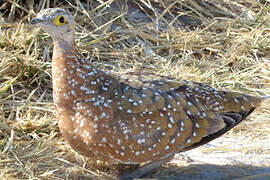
[{"x": 135, "y": 117}]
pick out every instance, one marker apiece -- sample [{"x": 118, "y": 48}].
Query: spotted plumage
[{"x": 135, "y": 117}]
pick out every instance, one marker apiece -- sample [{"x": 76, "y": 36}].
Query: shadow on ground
[
  {"x": 211, "y": 171},
  {"x": 200, "y": 172}
]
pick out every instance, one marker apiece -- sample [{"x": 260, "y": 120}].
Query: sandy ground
[{"x": 223, "y": 158}]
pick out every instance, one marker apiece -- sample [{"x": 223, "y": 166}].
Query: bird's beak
[{"x": 35, "y": 21}]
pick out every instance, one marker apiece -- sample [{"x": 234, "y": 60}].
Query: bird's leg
[{"x": 141, "y": 171}]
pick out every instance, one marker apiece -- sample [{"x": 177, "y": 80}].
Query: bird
[{"x": 132, "y": 118}]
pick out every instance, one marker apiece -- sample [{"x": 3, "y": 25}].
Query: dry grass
[{"x": 225, "y": 44}]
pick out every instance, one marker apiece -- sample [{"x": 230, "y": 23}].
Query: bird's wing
[{"x": 162, "y": 116}]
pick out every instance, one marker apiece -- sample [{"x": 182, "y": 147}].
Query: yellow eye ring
[{"x": 59, "y": 20}]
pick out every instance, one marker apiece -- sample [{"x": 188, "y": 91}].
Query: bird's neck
[
  {"x": 74, "y": 78},
  {"x": 66, "y": 47}
]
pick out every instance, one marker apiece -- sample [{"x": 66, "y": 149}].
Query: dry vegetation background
[{"x": 222, "y": 43}]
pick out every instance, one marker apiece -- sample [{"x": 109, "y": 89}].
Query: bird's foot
[{"x": 145, "y": 169}]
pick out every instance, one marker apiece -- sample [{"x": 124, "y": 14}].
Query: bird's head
[{"x": 59, "y": 23}]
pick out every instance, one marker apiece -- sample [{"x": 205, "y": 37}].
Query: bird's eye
[{"x": 60, "y": 20}]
